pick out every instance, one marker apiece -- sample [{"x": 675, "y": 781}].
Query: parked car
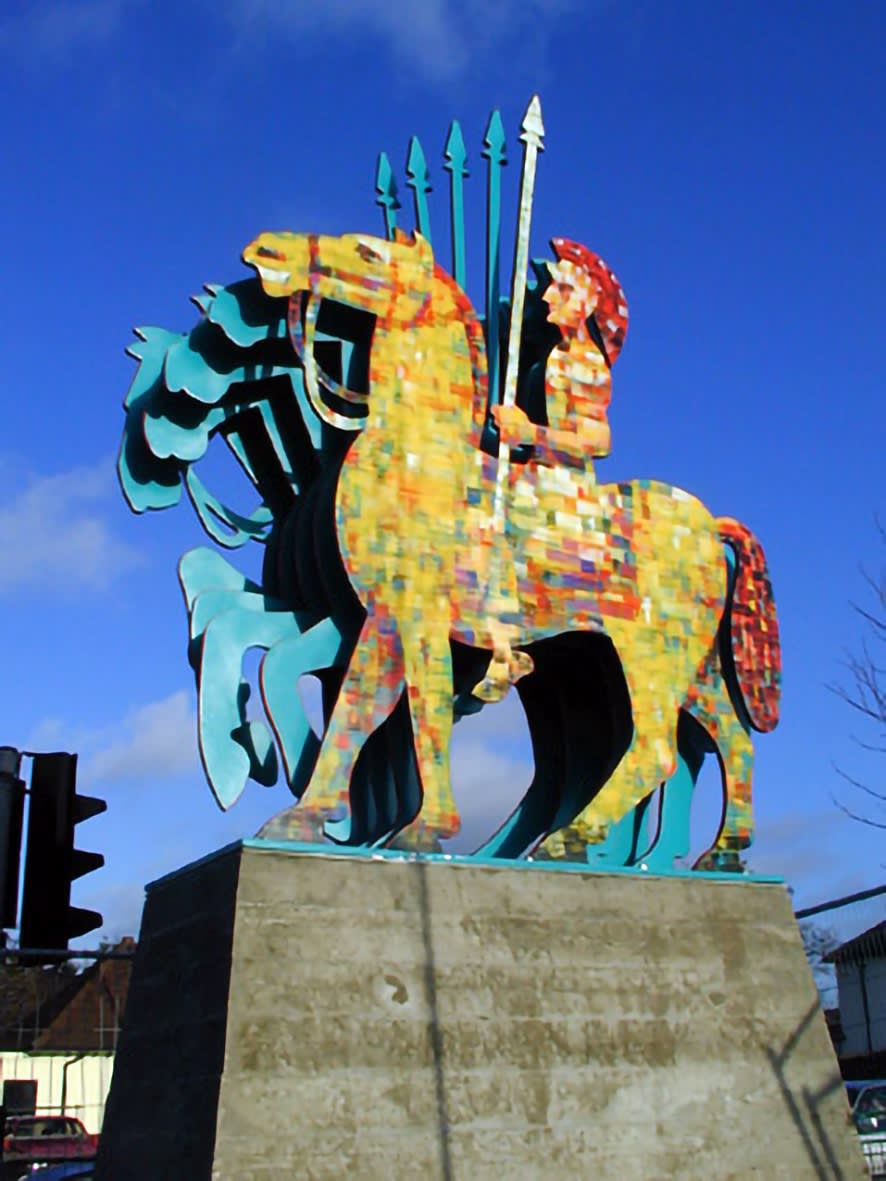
[
  {"x": 44, "y": 1139},
  {"x": 854, "y": 1087},
  {"x": 867, "y": 1101},
  {"x": 83, "y": 1170}
]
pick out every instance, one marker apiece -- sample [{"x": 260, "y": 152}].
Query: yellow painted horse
[{"x": 641, "y": 562}]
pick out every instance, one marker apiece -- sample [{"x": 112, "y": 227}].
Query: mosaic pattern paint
[{"x": 430, "y": 544}]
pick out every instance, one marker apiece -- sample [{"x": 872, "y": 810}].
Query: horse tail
[{"x": 750, "y": 649}]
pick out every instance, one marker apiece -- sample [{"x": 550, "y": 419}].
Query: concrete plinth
[{"x": 298, "y": 1015}]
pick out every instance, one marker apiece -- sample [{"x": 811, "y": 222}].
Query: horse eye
[
  {"x": 367, "y": 253},
  {"x": 266, "y": 252}
]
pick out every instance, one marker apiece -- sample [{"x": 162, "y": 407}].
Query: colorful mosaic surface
[{"x": 435, "y": 534}]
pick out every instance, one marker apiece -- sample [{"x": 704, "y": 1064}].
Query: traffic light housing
[
  {"x": 48, "y": 920},
  {"x": 12, "y": 802}
]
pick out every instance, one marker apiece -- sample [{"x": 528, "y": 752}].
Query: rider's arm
[{"x": 571, "y": 445}]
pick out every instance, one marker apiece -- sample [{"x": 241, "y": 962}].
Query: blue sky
[{"x": 725, "y": 160}]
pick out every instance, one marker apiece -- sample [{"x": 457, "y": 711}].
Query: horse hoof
[
  {"x": 294, "y": 823},
  {"x": 490, "y": 691},
  {"x": 416, "y": 840},
  {"x": 721, "y": 861},
  {"x": 520, "y": 665}
]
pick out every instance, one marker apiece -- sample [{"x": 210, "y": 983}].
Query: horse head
[{"x": 391, "y": 280}]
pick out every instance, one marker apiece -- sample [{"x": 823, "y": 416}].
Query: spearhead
[
  {"x": 417, "y": 167},
  {"x": 532, "y": 127},
  {"x": 417, "y": 179},
  {"x": 494, "y": 140},
  {"x": 454, "y": 151},
  {"x": 455, "y": 163},
  {"x": 386, "y": 192}
]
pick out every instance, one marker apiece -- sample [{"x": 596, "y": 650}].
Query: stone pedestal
[{"x": 320, "y": 1017}]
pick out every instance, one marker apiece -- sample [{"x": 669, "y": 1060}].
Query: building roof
[
  {"x": 869, "y": 945},
  {"x": 83, "y": 1015}
]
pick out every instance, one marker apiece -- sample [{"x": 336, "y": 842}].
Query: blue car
[{"x": 84, "y": 1169}]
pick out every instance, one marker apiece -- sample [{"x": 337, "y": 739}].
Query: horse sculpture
[{"x": 641, "y": 563}]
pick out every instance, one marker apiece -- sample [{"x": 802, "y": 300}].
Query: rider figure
[{"x": 586, "y": 302}]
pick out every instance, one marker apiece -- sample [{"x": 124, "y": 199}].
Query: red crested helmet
[{"x": 611, "y": 314}]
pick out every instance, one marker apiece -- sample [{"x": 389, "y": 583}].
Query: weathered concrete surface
[{"x": 387, "y": 1019}]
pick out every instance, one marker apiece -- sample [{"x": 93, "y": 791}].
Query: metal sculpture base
[{"x": 297, "y": 1014}]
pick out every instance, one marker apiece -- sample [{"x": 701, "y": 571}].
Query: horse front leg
[
  {"x": 371, "y": 688},
  {"x": 427, "y": 663}
]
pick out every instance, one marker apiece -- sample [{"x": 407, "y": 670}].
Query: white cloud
[
  {"x": 120, "y": 905},
  {"x": 52, "y": 532},
  {"x": 60, "y": 28},
  {"x": 437, "y": 38},
  {"x": 150, "y": 741},
  {"x": 487, "y": 784}
]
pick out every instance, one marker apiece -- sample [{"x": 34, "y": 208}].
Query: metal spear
[{"x": 532, "y": 137}]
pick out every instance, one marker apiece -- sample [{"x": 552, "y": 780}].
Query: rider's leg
[{"x": 507, "y": 665}]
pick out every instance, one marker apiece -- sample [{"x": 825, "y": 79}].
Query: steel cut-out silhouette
[{"x": 435, "y": 533}]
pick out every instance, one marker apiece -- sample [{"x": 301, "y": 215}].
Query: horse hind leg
[
  {"x": 669, "y": 840},
  {"x": 714, "y": 711},
  {"x": 650, "y": 759},
  {"x": 657, "y": 833}
]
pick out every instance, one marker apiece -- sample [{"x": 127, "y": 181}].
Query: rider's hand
[{"x": 514, "y": 426}]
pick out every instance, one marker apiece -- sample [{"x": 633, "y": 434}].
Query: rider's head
[
  {"x": 571, "y": 296},
  {"x": 583, "y": 287}
]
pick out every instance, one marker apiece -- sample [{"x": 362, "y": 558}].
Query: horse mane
[{"x": 476, "y": 339}]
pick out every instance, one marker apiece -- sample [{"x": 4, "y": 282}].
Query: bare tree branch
[
  {"x": 865, "y": 688},
  {"x": 855, "y": 815},
  {"x": 860, "y": 785},
  {"x": 817, "y": 942}
]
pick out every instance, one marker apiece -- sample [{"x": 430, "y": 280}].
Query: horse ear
[
  {"x": 402, "y": 237},
  {"x": 423, "y": 246}
]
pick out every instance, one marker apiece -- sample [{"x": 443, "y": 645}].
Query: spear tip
[
  {"x": 494, "y": 139},
  {"x": 532, "y": 127},
  {"x": 454, "y": 149},
  {"x": 416, "y": 164},
  {"x": 383, "y": 171}
]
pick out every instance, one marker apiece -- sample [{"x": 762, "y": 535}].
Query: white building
[
  {"x": 58, "y": 1056},
  {"x": 861, "y": 985}
]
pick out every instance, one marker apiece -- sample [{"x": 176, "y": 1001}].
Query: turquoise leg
[
  {"x": 672, "y": 837},
  {"x": 212, "y": 588},
  {"x": 203, "y": 569},
  {"x": 292, "y": 657},
  {"x": 210, "y": 603},
  {"x": 620, "y": 847},
  {"x": 232, "y": 748}
]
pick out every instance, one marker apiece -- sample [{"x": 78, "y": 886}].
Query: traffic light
[
  {"x": 12, "y": 801},
  {"x": 51, "y": 861}
]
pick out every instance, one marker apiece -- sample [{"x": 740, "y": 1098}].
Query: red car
[{"x": 33, "y": 1138}]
